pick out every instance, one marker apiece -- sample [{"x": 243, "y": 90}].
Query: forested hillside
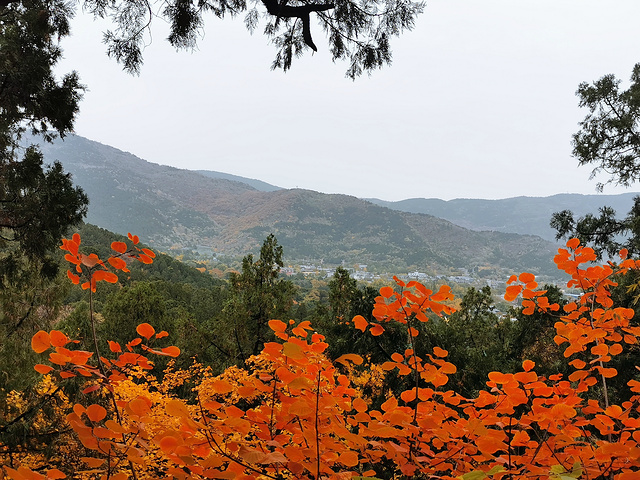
[{"x": 173, "y": 207}]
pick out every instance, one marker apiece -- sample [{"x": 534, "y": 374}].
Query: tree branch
[{"x": 302, "y": 12}]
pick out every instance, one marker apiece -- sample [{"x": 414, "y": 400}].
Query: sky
[{"x": 478, "y": 103}]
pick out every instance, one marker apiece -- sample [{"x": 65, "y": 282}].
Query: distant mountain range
[
  {"x": 169, "y": 207},
  {"x": 524, "y": 215}
]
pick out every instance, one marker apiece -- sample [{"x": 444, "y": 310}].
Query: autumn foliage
[{"x": 293, "y": 413}]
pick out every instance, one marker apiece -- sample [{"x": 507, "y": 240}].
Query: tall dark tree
[
  {"x": 609, "y": 140},
  {"x": 342, "y": 293},
  {"x": 609, "y": 136},
  {"x": 37, "y": 202},
  {"x": 257, "y": 294}
]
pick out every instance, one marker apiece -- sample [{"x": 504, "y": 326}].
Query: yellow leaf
[
  {"x": 177, "y": 408},
  {"x": 349, "y": 357},
  {"x": 221, "y": 386},
  {"x": 292, "y": 350}
]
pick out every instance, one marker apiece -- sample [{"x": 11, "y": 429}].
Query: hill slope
[{"x": 168, "y": 206}]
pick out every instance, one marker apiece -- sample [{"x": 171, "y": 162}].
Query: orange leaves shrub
[{"x": 292, "y": 413}]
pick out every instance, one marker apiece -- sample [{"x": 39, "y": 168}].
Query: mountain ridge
[
  {"x": 169, "y": 206},
  {"x": 523, "y": 215}
]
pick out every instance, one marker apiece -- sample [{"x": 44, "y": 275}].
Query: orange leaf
[
  {"x": 222, "y": 386},
  {"x": 145, "y": 259},
  {"x": 528, "y": 365},
  {"x": 108, "y": 277},
  {"x": 133, "y": 238},
  {"x": 43, "y": 369},
  {"x": 117, "y": 263},
  {"x": 54, "y": 473},
  {"x": 177, "y": 408},
  {"x": 75, "y": 279},
  {"x": 92, "y": 462},
  {"x": 351, "y": 357},
  {"x": 114, "y": 347},
  {"x": 58, "y": 339},
  {"x": 573, "y": 243},
  {"x": 615, "y": 349},
  {"x": 168, "y": 444},
  {"x": 149, "y": 253},
  {"x": 527, "y": 277},
  {"x": 360, "y": 323},
  {"x": 162, "y": 334},
  {"x": 440, "y": 352},
  {"x": 171, "y": 351},
  {"x": 359, "y": 404},
  {"x": 512, "y": 292},
  {"x": 376, "y": 330},
  {"x": 408, "y": 395},
  {"x": 386, "y": 292},
  {"x": 349, "y": 458},
  {"x": 277, "y": 325},
  {"x": 561, "y": 410},
  {"x": 40, "y": 341},
  {"x": 600, "y": 349},
  {"x": 234, "y": 411},
  {"x": 96, "y": 412},
  {"x": 91, "y": 389},
  {"x": 489, "y": 444},
  {"x": 301, "y": 408},
  {"x": 119, "y": 247},
  {"x": 145, "y": 330}
]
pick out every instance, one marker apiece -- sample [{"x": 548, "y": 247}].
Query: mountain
[
  {"x": 252, "y": 182},
  {"x": 167, "y": 206},
  {"x": 524, "y": 215}
]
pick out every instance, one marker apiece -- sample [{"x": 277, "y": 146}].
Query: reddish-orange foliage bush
[{"x": 294, "y": 414}]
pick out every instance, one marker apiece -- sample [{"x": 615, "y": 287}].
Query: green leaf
[
  {"x": 496, "y": 469},
  {"x": 475, "y": 475}
]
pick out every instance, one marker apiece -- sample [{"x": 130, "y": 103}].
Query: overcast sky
[{"x": 478, "y": 103}]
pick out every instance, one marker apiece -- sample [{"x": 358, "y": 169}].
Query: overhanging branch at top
[{"x": 302, "y": 12}]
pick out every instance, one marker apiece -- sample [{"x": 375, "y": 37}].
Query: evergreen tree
[
  {"x": 38, "y": 203},
  {"x": 257, "y": 295},
  {"x": 609, "y": 138}
]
